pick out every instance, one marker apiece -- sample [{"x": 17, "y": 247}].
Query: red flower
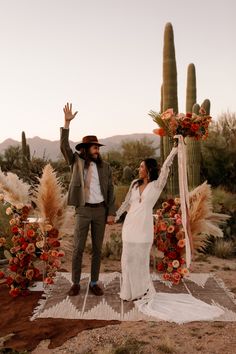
[
  {"x": 53, "y": 242},
  {"x": 194, "y": 127},
  {"x": 9, "y": 281},
  {"x": 24, "y": 246},
  {"x": 44, "y": 256},
  {"x": 172, "y": 255},
  {"x": 189, "y": 115},
  {"x": 14, "y": 292},
  {"x": 21, "y": 240},
  {"x": 53, "y": 233},
  {"x": 2, "y": 275},
  {"x": 14, "y": 229},
  {"x": 160, "y": 267},
  {"x": 36, "y": 273},
  {"x": 13, "y": 268}
]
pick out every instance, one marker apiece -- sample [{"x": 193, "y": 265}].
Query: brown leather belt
[{"x": 95, "y": 205}]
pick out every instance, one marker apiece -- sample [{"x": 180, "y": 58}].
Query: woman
[
  {"x": 137, "y": 238},
  {"x": 137, "y": 232}
]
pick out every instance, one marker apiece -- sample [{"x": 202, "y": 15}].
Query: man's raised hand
[{"x": 68, "y": 114}]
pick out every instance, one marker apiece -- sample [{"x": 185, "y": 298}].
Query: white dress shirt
[{"x": 95, "y": 194}]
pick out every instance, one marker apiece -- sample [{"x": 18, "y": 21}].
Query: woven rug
[{"x": 57, "y": 304}]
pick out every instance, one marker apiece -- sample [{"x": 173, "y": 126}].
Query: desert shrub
[
  {"x": 120, "y": 193},
  {"x": 225, "y": 202},
  {"x": 224, "y": 248},
  {"x": 223, "y": 198}
]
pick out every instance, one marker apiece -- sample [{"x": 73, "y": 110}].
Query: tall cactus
[
  {"x": 206, "y": 104},
  {"x": 170, "y": 100},
  {"x": 25, "y": 151},
  {"x": 193, "y": 146},
  {"x": 161, "y": 137},
  {"x": 191, "y": 94}
]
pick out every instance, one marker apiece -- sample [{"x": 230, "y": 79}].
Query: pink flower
[
  {"x": 178, "y": 221},
  {"x": 30, "y": 248},
  {"x": 167, "y": 114},
  {"x": 48, "y": 280}
]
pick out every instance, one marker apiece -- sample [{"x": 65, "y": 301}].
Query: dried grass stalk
[
  {"x": 49, "y": 198},
  {"x": 15, "y": 190},
  {"x": 203, "y": 221}
]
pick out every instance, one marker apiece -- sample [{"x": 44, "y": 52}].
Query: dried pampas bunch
[
  {"x": 49, "y": 199},
  {"x": 16, "y": 192},
  {"x": 203, "y": 221}
]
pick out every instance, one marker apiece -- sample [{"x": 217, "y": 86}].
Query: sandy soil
[{"x": 150, "y": 337}]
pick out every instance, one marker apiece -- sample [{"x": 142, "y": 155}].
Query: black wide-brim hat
[{"x": 88, "y": 140}]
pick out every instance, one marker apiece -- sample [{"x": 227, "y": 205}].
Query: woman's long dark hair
[{"x": 152, "y": 171}]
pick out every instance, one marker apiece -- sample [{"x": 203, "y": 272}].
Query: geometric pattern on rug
[{"x": 57, "y": 304}]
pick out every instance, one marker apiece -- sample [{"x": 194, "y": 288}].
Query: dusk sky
[{"x": 105, "y": 56}]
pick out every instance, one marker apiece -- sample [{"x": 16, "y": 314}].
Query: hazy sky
[{"x": 105, "y": 56}]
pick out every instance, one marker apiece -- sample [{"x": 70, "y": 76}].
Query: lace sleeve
[
  {"x": 161, "y": 181},
  {"x": 125, "y": 205}
]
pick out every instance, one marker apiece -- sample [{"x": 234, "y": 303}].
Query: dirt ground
[{"x": 151, "y": 337}]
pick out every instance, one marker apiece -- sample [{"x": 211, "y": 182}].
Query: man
[{"x": 91, "y": 192}]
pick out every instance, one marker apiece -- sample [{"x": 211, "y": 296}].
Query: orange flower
[
  {"x": 170, "y": 229},
  {"x": 160, "y": 132},
  {"x": 30, "y": 233},
  {"x": 44, "y": 256},
  {"x": 185, "y": 271},
  {"x": 180, "y": 235},
  {"x": 181, "y": 243},
  {"x": 163, "y": 226}
]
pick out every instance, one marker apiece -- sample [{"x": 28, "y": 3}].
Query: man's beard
[{"x": 95, "y": 158}]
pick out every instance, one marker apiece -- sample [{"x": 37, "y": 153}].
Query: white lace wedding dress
[{"x": 137, "y": 238}]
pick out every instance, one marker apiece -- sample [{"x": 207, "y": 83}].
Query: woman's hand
[{"x": 68, "y": 114}]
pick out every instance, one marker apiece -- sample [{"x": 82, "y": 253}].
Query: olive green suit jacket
[{"x": 76, "y": 194}]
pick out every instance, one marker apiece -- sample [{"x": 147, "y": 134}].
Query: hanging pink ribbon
[{"x": 184, "y": 197}]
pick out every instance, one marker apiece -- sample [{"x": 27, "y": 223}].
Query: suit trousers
[{"x": 95, "y": 219}]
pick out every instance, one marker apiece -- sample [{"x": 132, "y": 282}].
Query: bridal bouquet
[
  {"x": 169, "y": 238},
  {"x": 188, "y": 125}
]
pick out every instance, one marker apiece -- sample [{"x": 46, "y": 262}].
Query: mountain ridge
[{"x": 50, "y": 149}]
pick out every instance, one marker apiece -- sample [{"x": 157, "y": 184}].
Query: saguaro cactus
[
  {"x": 25, "y": 151},
  {"x": 161, "y": 138},
  {"x": 206, "y": 104},
  {"x": 193, "y": 146},
  {"x": 191, "y": 93},
  {"x": 170, "y": 100}
]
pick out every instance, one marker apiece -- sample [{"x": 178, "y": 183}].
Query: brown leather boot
[
  {"x": 96, "y": 290},
  {"x": 74, "y": 290}
]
